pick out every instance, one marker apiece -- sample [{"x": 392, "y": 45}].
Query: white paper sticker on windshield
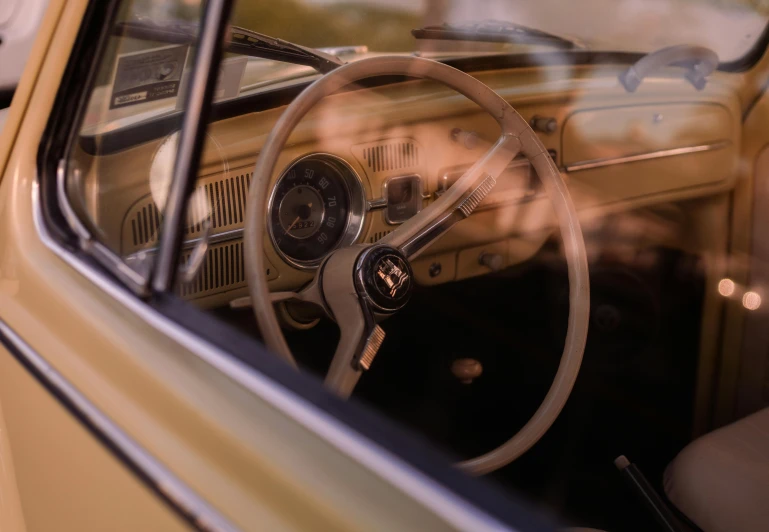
[
  {"x": 228, "y": 84},
  {"x": 148, "y": 75},
  {"x": 230, "y": 77}
]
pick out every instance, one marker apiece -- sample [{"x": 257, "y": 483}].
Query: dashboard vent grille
[
  {"x": 376, "y": 237},
  {"x": 221, "y": 200},
  {"x": 392, "y": 156},
  {"x": 144, "y": 224},
  {"x": 222, "y": 270}
]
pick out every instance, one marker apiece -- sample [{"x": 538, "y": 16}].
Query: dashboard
[{"x": 365, "y": 161}]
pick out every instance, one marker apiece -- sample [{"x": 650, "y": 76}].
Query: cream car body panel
[{"x": 11, "y": 515}]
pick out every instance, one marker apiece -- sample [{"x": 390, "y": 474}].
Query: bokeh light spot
[
  {"x": 726, "y": 287},
  {"x": 751, "y": 300}
]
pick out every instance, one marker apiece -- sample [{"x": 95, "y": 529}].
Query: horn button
[{"x": 385, "y": 278}]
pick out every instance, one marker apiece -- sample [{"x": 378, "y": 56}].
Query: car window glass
[
  {"x": 136, "y": 77},
  {"x": 658, "y": 175}
]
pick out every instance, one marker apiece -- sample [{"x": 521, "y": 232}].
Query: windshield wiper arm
[
  {"x": 239, "y": 40},
  {"x": 246, "y": 42},
  {"x": 494, "y": 31}
]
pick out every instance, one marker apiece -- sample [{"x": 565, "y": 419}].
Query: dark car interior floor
[{"x": 633, "y": 396}]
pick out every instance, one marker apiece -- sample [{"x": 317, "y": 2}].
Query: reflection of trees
[
  {"x": 380, "y": 27},
  {"x": 164, "y": 9}
]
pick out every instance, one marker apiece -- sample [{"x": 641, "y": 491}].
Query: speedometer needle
[
  {"x": 291, "y": 225},
  {"x": 309, "y": 205}
]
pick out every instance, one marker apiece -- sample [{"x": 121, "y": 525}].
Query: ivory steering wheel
[{"x": 359, "y": 285}]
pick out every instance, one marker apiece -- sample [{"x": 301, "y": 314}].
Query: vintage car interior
[{"x": 541, "y": 255}]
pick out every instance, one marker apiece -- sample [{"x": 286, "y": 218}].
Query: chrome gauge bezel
[{"x": 357, "y": 206}]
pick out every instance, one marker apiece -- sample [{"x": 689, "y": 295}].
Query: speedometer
[{"x": 316, "y": 206}]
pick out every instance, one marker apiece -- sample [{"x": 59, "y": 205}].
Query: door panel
[{"x": 67, "y": 480}]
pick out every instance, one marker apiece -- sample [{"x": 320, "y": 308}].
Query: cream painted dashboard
[{"x": 617, "y": 151}]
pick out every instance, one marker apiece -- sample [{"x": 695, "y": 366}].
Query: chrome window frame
[{"x": 158, "y": 271}]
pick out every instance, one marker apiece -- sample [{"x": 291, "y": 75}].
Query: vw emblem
[
  {"x": 385, "y": 277},
  {"x": 391, "y": 276}
]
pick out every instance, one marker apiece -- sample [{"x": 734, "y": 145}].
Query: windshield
[
  {"x": 728, "y": 27},
  {"x": 352, "y": 30}
]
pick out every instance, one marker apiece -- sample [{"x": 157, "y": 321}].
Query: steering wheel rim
[{"x": 462, "y": 197}]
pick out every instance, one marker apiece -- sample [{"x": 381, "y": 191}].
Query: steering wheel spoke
[
  {"x": 359, "y": 341},
  {"x": 309, "y": 294},
  {"x": 464, "y": 196},
  {"x": 360, "y": 337}
]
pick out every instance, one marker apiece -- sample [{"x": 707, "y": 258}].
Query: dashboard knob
[
  {"x": 493, "y": 261},
  {"x": 544, "y": 124},
  {"x": 466, "y": 369},
  {"x": 468, "y": 139}
]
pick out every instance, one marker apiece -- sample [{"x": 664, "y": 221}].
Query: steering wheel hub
[{"x": 384, "y": 278}]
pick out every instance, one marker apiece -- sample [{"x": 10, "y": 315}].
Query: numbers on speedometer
[{"x": 316, "y": 206}]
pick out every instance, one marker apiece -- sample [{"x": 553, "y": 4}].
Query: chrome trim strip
[
  {"x": 452, "y": 508},
  {"x": 224, "y": 236},
  {"x": 134, "y": 279},
  {"x": 375, "y": 204},
  {"x": 186, "y": 501},
  {"x": 69, "y": 213},
  {"x": 346, "y": 50},
  {"x": 659, "y": 154}
]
